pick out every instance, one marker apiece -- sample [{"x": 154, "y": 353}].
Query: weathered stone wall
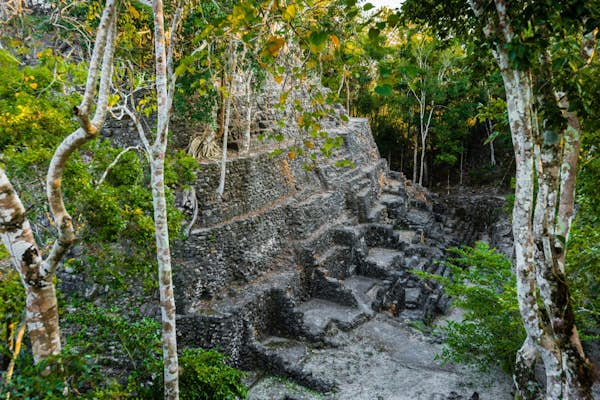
[
  {"x": 269, "y": 204},
  {"x": 288, "y": 257}
]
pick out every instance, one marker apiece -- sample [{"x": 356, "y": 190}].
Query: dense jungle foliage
[{"x": 437, "y": 109}]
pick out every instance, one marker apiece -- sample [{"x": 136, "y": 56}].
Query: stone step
[
  {"x": 364, "y": 290},
  {"x": 314, "y": 212},
  {"x": 337, "y": 261},
  {"x": 363, "y": 202},
  {"x": 319, "y": 241},
  {"x": 412, "y": 297},
  {"x": 419, "y": 219},
  {"x": 405, "y": 238},
  {"x": 377, "y": 213},
  {"x": 329, "y": 288},
  {"x": 378, "y": 235},
  {"x": 358, "y": 174},
  {"x": 382, "y": 262},
  {"x": 393, "y": 186},
  {"x": 286, "y": 357},
  {"x": 392, "y": 200},
  {"x": 347, "y": 235},
  {"x": 319, "y": 315},
  {"x": 290, "y": 351}
]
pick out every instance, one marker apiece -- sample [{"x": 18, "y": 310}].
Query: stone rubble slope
[{"x": 308, "y": 275}]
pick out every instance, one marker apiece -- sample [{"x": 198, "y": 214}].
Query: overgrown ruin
[{"x": 289, "y": 258}]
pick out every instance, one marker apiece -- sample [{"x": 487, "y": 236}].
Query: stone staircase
[
  {"x": 295, "y": 260},
  {"x": 356, "y": 269}
]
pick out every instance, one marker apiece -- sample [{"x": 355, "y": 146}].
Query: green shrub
[
  {"x": 483, "y": 285},
  {"x": 12, "y": 305},
  {"x": 205, "y": 376},
  {"x": 103, "y": 333},
  {"x": 65, "y": 376},
  {"x": 131, "y": 346},
  {"x": 583, "y": 255}
]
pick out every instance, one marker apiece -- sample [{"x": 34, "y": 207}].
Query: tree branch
[
  {"x": 100, "y": 43},
  {"x": 88, "y": 130},
  {"x": 114, "y": 163}
]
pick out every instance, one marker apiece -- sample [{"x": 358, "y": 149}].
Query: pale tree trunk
[
  {"x": 165, "y": 82},
  {"x": 540, "y": 229},
  {"x": 424, "y": 132},
  {"x": 226, "y": 118},
  {"x": 415, "y": 157},
  {"x": 488, "y": 129},
  {"x": 41, "y": 306},
  {"x": 424, "y": 124},
  {"x": 36, "y": 274},
  {"x": 348, "y": 95},
  {"x": 248, "y": 112}
]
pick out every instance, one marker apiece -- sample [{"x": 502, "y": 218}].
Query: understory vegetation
[
  {"x": 483, "y": 285},
  {"x": 437, "y": 105},
  {"x": 91, "y": 365}
]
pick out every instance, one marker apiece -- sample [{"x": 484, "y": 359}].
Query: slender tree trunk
[
  {"x": 167, "y": 298},
  {"x": 539, "y": 230},
  {"x": 232, "y": 68},
  {"x": 424, "y": 132},
  {"x": 402, "y": 159},
  {"x": 164, "y": 94},
  {"x": 348, "y": 96},
  {"x": 36, "y": 274},
  {"x": 40, "y": 301},
  {"x": 422, "y": 167},
  {"x": 221, "y": 114},
  {"x": 415, "y": 157},
  {"x": 488, "y": 128},
  {"x": 248, "y": 112}
]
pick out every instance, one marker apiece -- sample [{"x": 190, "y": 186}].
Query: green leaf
[
  {"x": 393, "y": 20},
  {"x": 275, "y": 153},
  {"x": 384, "y": 90},
  {"x": 374, "y": 33},
  {"x": 344, "y": 164},
  {"x": 289, "y": 13},
  {"x": 492, "y": 137},
  {"x": 317, "y": 41}
]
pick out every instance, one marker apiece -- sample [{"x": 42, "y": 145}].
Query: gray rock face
[{"x": 291, "y": 260}]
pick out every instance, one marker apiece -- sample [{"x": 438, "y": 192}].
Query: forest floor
[{"x": 386, "y": 359}]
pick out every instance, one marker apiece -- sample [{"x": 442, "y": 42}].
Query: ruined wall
[
  {"x": 268, "y": 206},
  {"x": 294, "y": 256}
]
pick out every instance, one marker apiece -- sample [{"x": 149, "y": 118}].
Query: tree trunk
[
  {"x": 232, "y": 67},
  {"x": 415, "y": 157},
  {"x": 518, "y": 95},
  {"x": 164, "y": 98},
  {"x": 36, "y": 274},
  {"x": 488, "y": 128},
  {"x": 41, "y": 304},
  {"x": 539, "y": 250},
  {"x": 248, "y": 113},
  {"x": 167, "y": 298},
  {"x": 422, "y": 167}
]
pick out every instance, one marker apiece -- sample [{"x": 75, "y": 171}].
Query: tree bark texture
[
  {"x": 157, "y": 165},
  {"x": 232, "y": 69},
  {"x": 40, "y": 303},
  {"x": 541, "y": 222},
  {"x": 37, "y": 274}
]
